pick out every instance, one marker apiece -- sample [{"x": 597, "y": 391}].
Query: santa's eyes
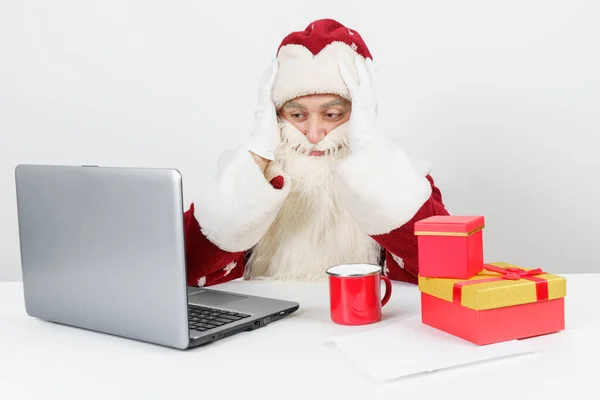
[{"x": 328, "y": 116}]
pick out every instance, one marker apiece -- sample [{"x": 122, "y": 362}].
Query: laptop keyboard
[{"x": 205, "y": 318}]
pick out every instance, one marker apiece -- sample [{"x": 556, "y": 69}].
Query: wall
[{"x": 501, "y": 96}]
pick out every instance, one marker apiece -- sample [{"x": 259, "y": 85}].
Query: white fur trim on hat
[
  {"x": 237, "y": 207},
  {"x": 380, "y": 186},
  {"x": 301, "y": 73}
]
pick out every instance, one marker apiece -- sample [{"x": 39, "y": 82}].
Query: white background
[{"x": 503, "y": 97}]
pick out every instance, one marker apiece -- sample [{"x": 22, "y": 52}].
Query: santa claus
[{"x": 317, "y": 183}]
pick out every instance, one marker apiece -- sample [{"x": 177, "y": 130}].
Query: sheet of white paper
[{"x": 409, "y": 347}]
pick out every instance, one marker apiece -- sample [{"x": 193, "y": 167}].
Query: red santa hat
[{"x": 308, "y": 60}]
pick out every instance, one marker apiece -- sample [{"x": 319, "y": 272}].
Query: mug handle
[{"x": 388, "y": 290}]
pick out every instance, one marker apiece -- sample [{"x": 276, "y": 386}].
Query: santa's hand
[
  {"x": 362, "y": 124},
  {"x": 265, "y": 137}
]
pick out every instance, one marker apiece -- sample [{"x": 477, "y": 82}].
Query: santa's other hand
[
  {"x": 264, "y": 136},
  {"x": 362, "y": 124}
]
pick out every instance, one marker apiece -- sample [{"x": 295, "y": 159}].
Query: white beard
[{"x": 312, "y": 230}]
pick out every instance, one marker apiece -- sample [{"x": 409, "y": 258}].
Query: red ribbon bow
[{"x": 510, "y": 273}]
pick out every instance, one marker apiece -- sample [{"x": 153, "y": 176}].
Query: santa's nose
[{"x": 315, "y": 132}]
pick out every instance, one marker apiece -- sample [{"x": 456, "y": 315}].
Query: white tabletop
[{"x": 288, "y": 359}]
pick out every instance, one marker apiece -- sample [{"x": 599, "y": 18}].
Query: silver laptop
[{"x": 103, "y": 249}]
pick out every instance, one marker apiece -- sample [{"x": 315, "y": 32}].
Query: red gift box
[
  {"x": 503, "y": 302},
  {"x": 450, "y": 246}
]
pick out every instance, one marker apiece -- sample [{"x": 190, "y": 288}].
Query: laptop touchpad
[{"x": 210, "y": 298}]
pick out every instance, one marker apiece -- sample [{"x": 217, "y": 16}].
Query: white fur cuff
[
  {"x": 380, "y": 186},
  {"x": 237, "y": 207}
]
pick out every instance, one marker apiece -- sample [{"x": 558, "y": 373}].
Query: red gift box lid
[{"x": 449, "y": 223}]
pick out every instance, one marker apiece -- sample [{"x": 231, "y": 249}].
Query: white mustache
[
  {"x": 294, "y": 140},
  {"x": 301, "y": 149}
]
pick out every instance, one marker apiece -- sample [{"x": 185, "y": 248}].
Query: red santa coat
[{"x": 210, "y": 261}]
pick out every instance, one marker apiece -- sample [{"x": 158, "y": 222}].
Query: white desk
[{"x": 285, "y": 360}]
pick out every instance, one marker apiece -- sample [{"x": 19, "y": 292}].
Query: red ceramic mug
[{"x": 355, "y": 293}]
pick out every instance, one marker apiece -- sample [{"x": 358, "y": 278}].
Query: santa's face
[{"x": 315, "y": 119}]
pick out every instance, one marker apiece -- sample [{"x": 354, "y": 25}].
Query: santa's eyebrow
[
  {"x": 333, "y": 103},
  {"x": 294, "y": 105}
]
